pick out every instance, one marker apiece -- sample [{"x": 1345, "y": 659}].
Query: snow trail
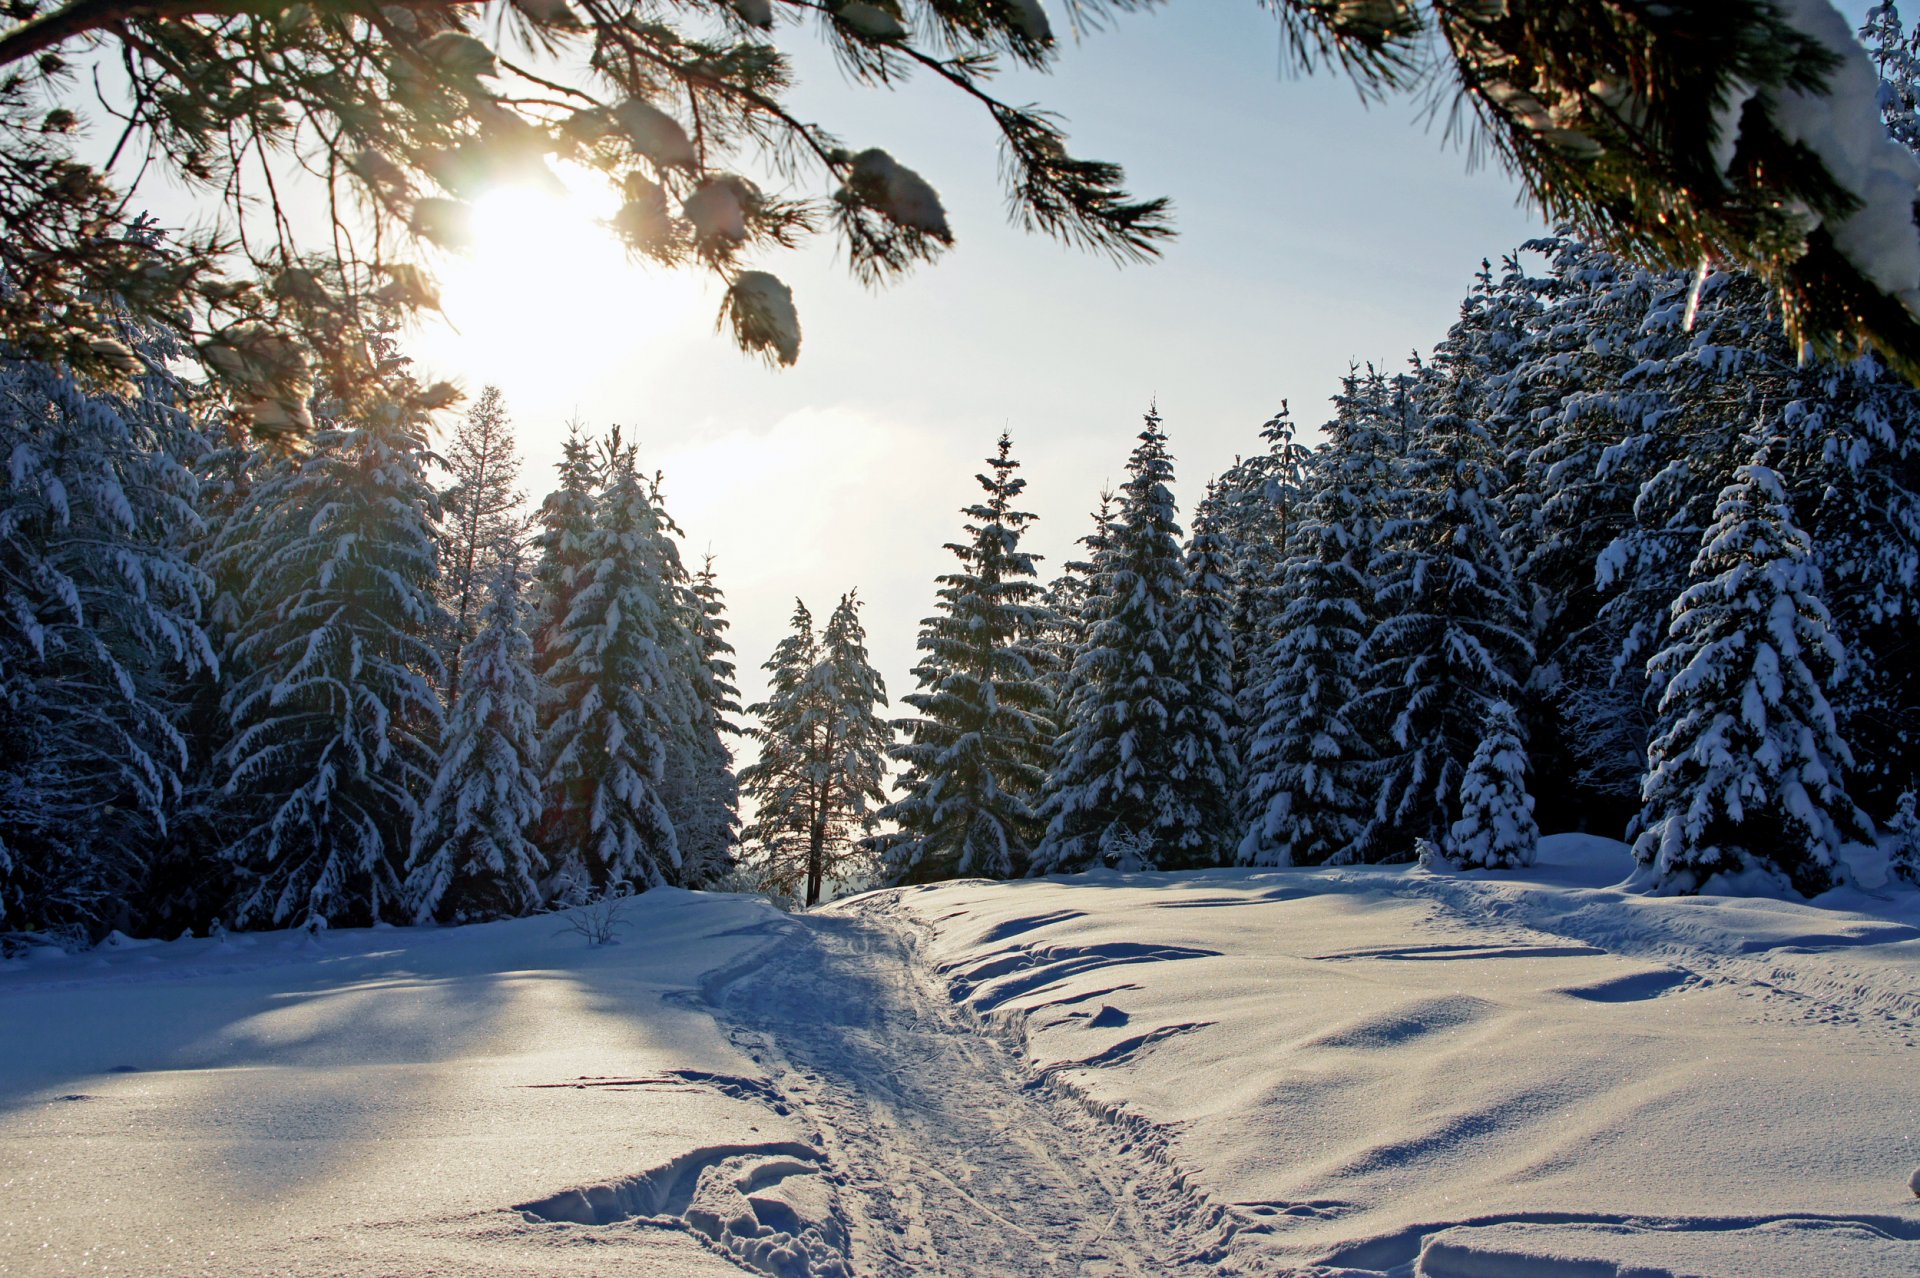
[{"x": 946, "y": 1155}]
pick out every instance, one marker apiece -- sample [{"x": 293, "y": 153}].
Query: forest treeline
[{"x": 1616, "y": 556}]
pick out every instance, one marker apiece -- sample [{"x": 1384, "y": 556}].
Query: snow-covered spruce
[
  {"x": 473, "y": 857},
  {"x": 1451, "y": 639},
  {"x": 1307, "y": 798},
  {"x": 1255, "y": 508},
  {"x": 100, "y": 624},
  {"x": 1746, "y": 770},
  {"x": 1903, "y": 835},
  {"x": 819, "y": 781},
  {"x": 1496, "y": 829},
  {"x": 1113, "y": 771},
  {"x": 605, "y": 747},
  {"x": 1206, "y": 767},
  {"x": 975, "y": 757},
  {"x": 331, "y": 674},
  {"x": 699, "y": 788}
]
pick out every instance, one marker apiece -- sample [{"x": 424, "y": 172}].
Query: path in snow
[{"x": 943, "y": 1155}]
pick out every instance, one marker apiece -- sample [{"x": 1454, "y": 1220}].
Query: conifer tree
[
  {"x": 1307, "y": 798},
  {"x": 332, "y": 670},
  {"x": 1255, "y": 508},
  {"x": 1903, "y": 829},
  {"x": 613, "y": 692},
  {"x": 976, "y": 756},
  {"x": 565, "y": 522},
  {"x": 1451, "y": 639},
  {"x": 482, "y": 526},
  {"x": 1206, "y": 764},
  {"x": 1496, "y": 829},
  {"x": 700, "y": 790},
  {"x": 818, "y": 783},
  {"x": 1069, "y": 602},
  {"x": 100, "y": 622},
  {"x": 1746, "y": 771},
  {"x": 1111, "y": 785},
  {"x": 473, "y": 855}
]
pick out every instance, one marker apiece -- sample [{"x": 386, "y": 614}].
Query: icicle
[{"x": 1693, "y": 294}]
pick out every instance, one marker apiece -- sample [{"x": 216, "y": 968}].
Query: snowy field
[{"x": 1329, "y": 1072}]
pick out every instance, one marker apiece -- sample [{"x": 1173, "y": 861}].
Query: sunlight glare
[{"x": 545, "y": 286}]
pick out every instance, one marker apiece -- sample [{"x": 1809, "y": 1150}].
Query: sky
[{"x": 1313, "y": 231}]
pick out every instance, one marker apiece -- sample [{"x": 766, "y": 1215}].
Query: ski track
[{"x": 945, "y": 1155}]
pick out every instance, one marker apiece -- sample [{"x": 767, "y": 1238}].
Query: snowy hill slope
[{"x": 1327, "y": 1072}]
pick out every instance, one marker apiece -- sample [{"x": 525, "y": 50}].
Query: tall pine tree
[
  {"x": 332, "y": 672},
  {"x": 1747, "y": 770},
  {"x": 976, "y": 755},
  {"x": 473, "y": 855},
  {"x": 1111, "y": 791}
]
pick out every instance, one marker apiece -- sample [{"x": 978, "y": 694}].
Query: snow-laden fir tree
[
  {"x": 1451, "y": 638},
  {"x": 1068, "y": 602},
  {"x": 976, "y": 754},
  {"x": 563, "y": 525},
  {"x": 473, "y": 855},
  {"x": 100, "y": 621},
  {"x": 332, "y": 673},
  {"x": 614, "y": 693},
  {"x": 481, "y": 525},
  {"x": 1496, "y": 829},
  {"x": 1306, "y": 795},
  {"x": 1746, "y": 770},
  {"x": 819, "y": 781},
  {"x": 1850, "y": 459},
  {"x": 1903, "y": 835},
  {"x": 1253, "y": 508},
  {"x": 1112, "y": 779},
  {"x": 700, "y": 790},
  {"x": 1206, "y": 764}
]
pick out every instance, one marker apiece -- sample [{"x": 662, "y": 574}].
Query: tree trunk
[{"x": 816, "y": 858}]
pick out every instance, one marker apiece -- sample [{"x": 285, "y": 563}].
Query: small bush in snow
[{"x": 599, "y": 917}]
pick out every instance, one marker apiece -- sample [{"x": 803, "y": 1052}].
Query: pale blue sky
[{"x": 1313, "y": 231}]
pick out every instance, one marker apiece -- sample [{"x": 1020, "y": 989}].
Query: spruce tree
[
  {"x": 700, "y": 791},
  {"x": 1451, "y": 639},
  {"x": 473, "y": 855},
  {"x": 819, "y": 780},
  {"x": 976, "y": 756},
  {"x": 100, "y": 625},
  {"x": 1307, "y": 796},
  {"x": 1254, "y": 509},
  {"x": 565, "y": 522},
  {"x": 1496, "y": 829},
  {"x": 481, "y": 528},
  {"x": 1746, "y": 771},
  {"x": 332, "y": 671},
  {"x": 1111, "y": 787},
  {"x": 1206, "y": 764},
  {"x": 614, "y": 690},
  {"x": 1903, "y": 830}
]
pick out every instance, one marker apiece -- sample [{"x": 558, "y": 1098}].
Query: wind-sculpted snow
[
  {"x": 759, "y": 1205},
  {"x": 1387, "y": 1071}
]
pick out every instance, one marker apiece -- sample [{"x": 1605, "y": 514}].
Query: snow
[
  {"x": 1843, "y": 127},
  {"x": 1374, "y": 1069},
  {"x": 1355, "y": 1071}
]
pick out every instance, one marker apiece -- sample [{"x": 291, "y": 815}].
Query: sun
[{"x": 545, "y": 286}]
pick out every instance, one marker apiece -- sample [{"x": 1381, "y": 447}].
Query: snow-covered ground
[{"x": 1333, "y": 1071}]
